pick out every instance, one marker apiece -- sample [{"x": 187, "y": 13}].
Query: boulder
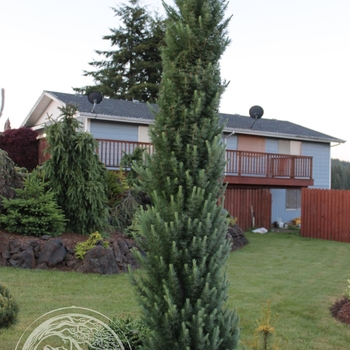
[
  {"x": 119, "y": 257},
  {"x": 24, "y": 259},
  {"x": 15, "y": 246},
  {"x": 52, "y": 253},
  {"x": 236, "y": 236},
  {"x": 100, "y": 260}
]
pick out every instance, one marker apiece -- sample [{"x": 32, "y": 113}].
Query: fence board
[
  {"x": 325, "y": 214},
  {"x": 239, "y": 201}
]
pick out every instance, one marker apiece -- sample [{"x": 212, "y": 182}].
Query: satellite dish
[
  {"x": 95, "y": 98},
  {"x": 256, "y": 112}
]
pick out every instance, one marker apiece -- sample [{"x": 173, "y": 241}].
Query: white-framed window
[{"x": 293, "y": 199}]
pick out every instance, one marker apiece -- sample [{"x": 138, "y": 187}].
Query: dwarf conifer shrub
[
  {"x": 265, "y": 334},
  {"x": 34, "y": 211},
  {"x": 8, "y": 308},
  {"x": 83, "y": 247}
]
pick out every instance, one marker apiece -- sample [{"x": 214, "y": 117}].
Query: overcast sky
[{"x": 290, "y": 57}]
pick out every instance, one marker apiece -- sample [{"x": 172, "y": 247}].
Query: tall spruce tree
[
  {"x": 183, "y": 288},
  {"x": 131, "y": 71},
  {"x": 76, "y": 174}
]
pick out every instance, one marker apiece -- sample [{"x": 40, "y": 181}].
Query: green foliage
[
  {"x": 340, "y": 175},
  {"x": 8, "y": 308},
  {"x": 34, "y": 211},
  {"x": 76, "y": 175},
  {"x": 265, "y": 334},
  {"x": 9, "y": 177},
  {"x": 83, "y": 247},
  {"x": 131, "y": 331},
  {"x": 232, "y": 221},
  {"x": 183, "y": 287},
  {"x": 117, "y": 186},
  {"x": 347, "y": 291},
  {"x": 121, "y": 216},
  {"x": 132, "y": 69},
  {"x": 128, "y": 161}
]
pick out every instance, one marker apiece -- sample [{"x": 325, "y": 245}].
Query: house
[{"x": 267, "y": 165}]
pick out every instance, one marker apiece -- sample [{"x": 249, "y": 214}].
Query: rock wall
[
  {"x": 51, "y": 253},
  {"x": 46, "y": 253}
]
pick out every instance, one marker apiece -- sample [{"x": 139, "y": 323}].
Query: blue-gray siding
[
  {"x": 114, "y": 131},
  {"x": 279, "y": 210},
  {"x": 320, "y": 164}
]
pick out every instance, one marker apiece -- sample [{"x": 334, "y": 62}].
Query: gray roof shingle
[{"x": 138, "y": 110}]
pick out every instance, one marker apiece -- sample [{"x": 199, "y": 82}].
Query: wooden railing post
[{"x": 257, "y": 163}]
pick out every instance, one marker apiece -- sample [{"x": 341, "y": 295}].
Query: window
[{"x": 293, "y": 199}]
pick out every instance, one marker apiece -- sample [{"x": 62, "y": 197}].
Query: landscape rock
[
  {"x": 52, "y": 253},
  {"x": 236, "y": 236},
  {"x": 15, "y": 246},
  {"x": 100, "y": 260},
  {"x": 24, "y": 259}
]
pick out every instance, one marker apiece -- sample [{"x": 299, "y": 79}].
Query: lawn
[{"x": 301, "y": 277}]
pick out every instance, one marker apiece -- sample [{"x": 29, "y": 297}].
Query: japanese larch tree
[{"x": 183, "y": 288}]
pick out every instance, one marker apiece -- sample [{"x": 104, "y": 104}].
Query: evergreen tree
[
  {"x": 133, "y": 70},
  {"x": 76, "y": 174},
  {"x": 340, "y": 175},
  {"x": 183, "y": 287}
]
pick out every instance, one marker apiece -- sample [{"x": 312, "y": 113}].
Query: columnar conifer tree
[
  {"x": 183, "y": 289},
  {"x": 76, "y": 174}
]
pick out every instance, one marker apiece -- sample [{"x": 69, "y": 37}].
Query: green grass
[{"x": 302, "y": 278}]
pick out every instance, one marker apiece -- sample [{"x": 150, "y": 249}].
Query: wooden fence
[
  {"x": 325, "y": 214},
  {"x": 241, "y": 202}
]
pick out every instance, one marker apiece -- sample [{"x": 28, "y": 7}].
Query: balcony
[{"x": 243, "y": 169}]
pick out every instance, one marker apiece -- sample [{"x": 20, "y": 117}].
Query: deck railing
[{"x": 238, "y": 163}]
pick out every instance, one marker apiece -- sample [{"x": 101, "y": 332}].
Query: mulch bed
[{"x": 341, "y": 310}]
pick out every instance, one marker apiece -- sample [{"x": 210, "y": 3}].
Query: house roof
[{"x": 113, "y": 109}]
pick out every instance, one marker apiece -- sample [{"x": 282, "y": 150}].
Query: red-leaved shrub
[{"x": 22, "y": 146}]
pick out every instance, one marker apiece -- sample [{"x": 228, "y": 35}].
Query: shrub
[
  {"x": 34, "y": 211},
  {"x": 134, "y": 332},
  {"x": 83, "y": 247},
  {"x": 127, "y": 162},
  {"x": 121, "y": 216},
  {"x": 265, "y": 335},
  {"x": 8, "y": 308},
  {"x": 9, "y": 177},
  {"x": 22, "y": 146},
  {"x": 76, "y": 174},
  {"x": 117, "y": 186}
]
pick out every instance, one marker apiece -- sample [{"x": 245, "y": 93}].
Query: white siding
[
  {"x": 52, "y": 111},
  {"x": 143, "y": 134}
]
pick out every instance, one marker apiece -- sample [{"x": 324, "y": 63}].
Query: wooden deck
[{"x": 242, "y": 168}]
